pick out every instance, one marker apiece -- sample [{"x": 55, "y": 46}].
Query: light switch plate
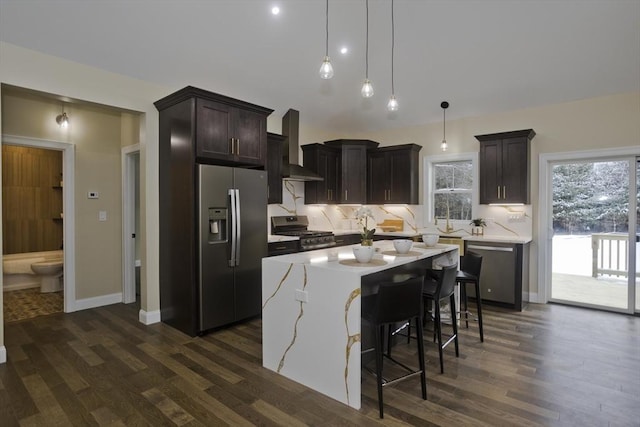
[{"x": 102, "y": 216}]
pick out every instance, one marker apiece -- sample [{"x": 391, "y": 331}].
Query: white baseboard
[
  {"x": 83, "y": 304},
  {"x": 3, "y": 354},
  {"x": 533, "y": 297},
  {"x": 149, "y": 317}
]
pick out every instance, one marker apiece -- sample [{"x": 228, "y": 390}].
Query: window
[{"x": 450, "y": 186}]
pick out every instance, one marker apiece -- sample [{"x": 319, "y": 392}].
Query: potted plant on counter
[
  {"x": 364, "y": 252},
  {"x": 478, "y": 226},
  {"x": 362, "y": 215}
]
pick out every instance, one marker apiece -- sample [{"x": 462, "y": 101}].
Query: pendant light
[
  {"x": 367, "y": 87},
  {"x": 62, "y": 119},
  {"x": 392, "y": 105},
  {"x": 326, "y": 70},
  {"x": 444, "y": 105}
]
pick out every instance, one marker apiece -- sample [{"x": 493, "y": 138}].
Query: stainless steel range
[{"x": 296, "y": 225}]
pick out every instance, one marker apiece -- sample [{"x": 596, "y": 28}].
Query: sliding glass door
[{"x": 594, "y": 244}]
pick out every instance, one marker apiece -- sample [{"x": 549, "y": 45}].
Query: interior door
[{"x": 594, "y": 245}]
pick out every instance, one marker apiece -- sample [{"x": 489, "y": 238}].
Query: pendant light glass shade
[
  {"x": 392, "y": 105},
  {"x": 367, "y": 89},
  {"x": 326, "y": 69},
  {"x": 444, "y": 105}
]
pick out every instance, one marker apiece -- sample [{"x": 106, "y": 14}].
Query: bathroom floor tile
[{"x": 28, "y": 303}]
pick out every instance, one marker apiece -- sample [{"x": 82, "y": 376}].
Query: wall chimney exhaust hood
[{"x": 291, "y": 168}]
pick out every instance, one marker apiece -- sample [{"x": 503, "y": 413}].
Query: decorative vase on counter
[
  {"x": 367, "y": 242},
  {"x": 363, "y": 253}
]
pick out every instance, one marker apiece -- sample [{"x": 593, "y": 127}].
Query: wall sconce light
[{"x": 62, "y": 119}]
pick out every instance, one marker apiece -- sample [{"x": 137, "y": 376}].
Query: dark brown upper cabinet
[
  {"x": 352, "y": 169},
  {"x": 275, "y": 144},
  {"x": 505, "y": 167},
  {"x": 393, "y": 175},
  {"x": 323, "y": 160},
  {"x": 227, "y": 131}
]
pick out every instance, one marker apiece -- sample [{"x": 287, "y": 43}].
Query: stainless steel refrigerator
[{"x": 232, "y": 218}]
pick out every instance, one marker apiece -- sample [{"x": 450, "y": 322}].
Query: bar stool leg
[
  {"x": 454, "y": 323},
  {"x": 438, "y": 330},
  {"x": 479, "y": 308},
  {"x": 423, "y": 377},
  {"x": 463, "y": 291},
  {"x": 379, "y": 340}
]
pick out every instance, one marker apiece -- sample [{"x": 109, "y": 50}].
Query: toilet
[{"x": 50, "y": 273}]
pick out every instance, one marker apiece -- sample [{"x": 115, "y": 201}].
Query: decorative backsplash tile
[{"x": 500, "y": 220}]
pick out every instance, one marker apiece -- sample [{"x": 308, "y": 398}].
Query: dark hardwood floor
[{"x": 549, "y": 365}]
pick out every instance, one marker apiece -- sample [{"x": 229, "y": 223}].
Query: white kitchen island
[{"x": 311, "y": 330}]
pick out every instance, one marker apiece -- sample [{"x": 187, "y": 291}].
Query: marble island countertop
[{"x": 342, "y": 258}]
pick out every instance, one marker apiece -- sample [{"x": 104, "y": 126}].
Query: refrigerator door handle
[
  {"x": 232, "y": 200},
  {"x": 238, "y": 229}
]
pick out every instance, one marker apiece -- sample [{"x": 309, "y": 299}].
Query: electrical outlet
[
  {"x": 302, "y": 296},
  {"x": 516, "y": 217}
]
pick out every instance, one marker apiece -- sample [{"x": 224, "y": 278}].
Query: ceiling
[{"x": 483, "y": 56}]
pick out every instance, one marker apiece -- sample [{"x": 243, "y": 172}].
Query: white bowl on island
[
  {"x": 430, "y": 239},
  {"x": 363, "y": 254},
  {"x": 402, "y": 246}
]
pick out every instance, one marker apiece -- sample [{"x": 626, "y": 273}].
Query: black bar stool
[
  {"x": 395, "y": 303},
  {"x": 469, "y": 274},
  {"x": 439, "y": 285}
]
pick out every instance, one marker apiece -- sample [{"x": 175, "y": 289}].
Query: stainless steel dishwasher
[{"x": 504, "y": 273}]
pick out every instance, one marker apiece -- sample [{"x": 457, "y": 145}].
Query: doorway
[
  {"x": 68, "y": 209},
  {"x": 592, "y": 221},
  {"x": 131, "y": 223}
]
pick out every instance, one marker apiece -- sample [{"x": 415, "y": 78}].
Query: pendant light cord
[
  {"x": 444, "y": 124},
  {"x": 393, "y": 43},
  {"x": 366, "y": 70},
  {"x": 327, "y": 29}
]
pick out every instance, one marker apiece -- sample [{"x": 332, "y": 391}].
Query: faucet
[{"x": 448, "y": 227}]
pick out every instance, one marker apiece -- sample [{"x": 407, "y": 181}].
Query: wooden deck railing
[{"x": 610, "y": 254}]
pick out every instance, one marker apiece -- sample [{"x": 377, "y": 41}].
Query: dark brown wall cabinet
[
  {"x": 343, "y": 165},
  {"x": 196, "y": 126},
  {"x": 393, "y": 174},
  {"x": 322, "y": 160},
  {"x": 505, "y": 167},
  {"x": 275, "y": 144},
  {"x": 227, "y": 131}
]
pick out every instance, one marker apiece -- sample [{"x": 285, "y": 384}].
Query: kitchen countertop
[
  {"x": 412, "y": 234},
  {"x": 331, "y": 258},
  {"x": 498, "y": 239},
  {"x": 273, "y": 238}
]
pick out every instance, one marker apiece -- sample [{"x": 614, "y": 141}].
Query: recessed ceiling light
[
  {"x": 344, "y": 50},
  {"x": 275, "y": 10}
]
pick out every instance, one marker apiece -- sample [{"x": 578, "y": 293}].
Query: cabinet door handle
[
  {"x": 504, "y": 191},
  {"x": 238, "y": 146},
  {"x": 346, "y": 195},
  {"x": 498, "y": 192},
  {"x": 232, "y": 140}
]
